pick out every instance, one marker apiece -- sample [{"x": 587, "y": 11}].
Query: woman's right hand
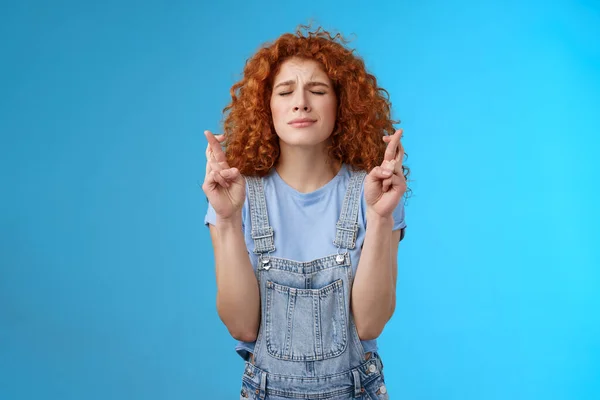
[{"x": 224, "y": 187}]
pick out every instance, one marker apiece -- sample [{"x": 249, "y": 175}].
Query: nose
[{"x": 301, "y": 102}]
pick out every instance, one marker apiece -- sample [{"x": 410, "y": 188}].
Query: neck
[{"x": 306, "y": 169}]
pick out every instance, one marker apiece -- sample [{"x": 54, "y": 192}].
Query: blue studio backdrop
[{"x": 107, "y": 287}]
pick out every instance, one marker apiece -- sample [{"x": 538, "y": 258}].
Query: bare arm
[
  {"x": 374, "y": 288},
  {"x": 238, "y": 299}
]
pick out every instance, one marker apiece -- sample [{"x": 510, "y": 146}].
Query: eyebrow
[{"x": 309, "y": 84}]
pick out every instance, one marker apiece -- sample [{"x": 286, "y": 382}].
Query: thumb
[
  {"x": 379, "y": 173},
  {"x": 231, "y": 173}
]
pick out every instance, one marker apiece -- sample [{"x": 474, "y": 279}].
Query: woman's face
[{"x": 303, "y": 103}]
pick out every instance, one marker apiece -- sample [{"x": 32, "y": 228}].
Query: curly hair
[{"x": 363, "y": 114}]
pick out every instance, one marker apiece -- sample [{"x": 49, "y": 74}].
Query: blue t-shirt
[{"x": 304, "y": 224}]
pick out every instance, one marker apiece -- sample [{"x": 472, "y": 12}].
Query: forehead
[{"x": 298, "y": 68}]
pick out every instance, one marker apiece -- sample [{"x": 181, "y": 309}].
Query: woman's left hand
[{"x": 385, "y": 185}]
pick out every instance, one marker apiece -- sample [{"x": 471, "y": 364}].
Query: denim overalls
[{"x": 307, "y": 345}]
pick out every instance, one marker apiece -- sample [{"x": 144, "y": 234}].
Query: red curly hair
[{"x": 363, "y": 114}]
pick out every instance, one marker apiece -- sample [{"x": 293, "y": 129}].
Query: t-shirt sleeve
[
  {"x": 399, "y": 221},
  {"x": 398, "y": 214},
  {"x": 211, "y": 216}
]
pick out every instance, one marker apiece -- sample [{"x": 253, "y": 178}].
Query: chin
[{"x": 303, "y": 138}]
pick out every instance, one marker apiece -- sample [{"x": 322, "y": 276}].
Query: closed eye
[{"x": 317, "y": 93}]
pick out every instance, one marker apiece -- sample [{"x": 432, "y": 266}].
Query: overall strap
[
  {"x": 347, "y": 225},
  {"x": 262, "y": 232}
]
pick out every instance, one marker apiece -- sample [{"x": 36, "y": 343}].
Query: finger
[
  {"x": 230, "y": 174},
  {"x": 399, "y": 159},
  {"x": 222, "y": 178},
  {"x": 399, "y": 156},
  {"x": 208, "y": 177},
  {"x": 215, "y": 147},
  {"x": 208, "y": 171},
  {"x": 209, "y": 152},
  {"x": 213, "y": 166},
  {"x": 219, "y": 136},
  {"x": 388, "y": 182},
  {"x": 225, "y": 175},
  {"x": 392, "y": 145},
  {"x": 380, "y": 173},
  {"x": 386, "y": 185},
  {"x": 209, "y": 160},
  {"x": 220, "y": 139},
  {"x": 217, "y": 167},
  {"x": 219, "y": 179},
  {"x": 375, "y": 177},
  {"x": 397, "y": 181},
  {"x": 394, "y": 182},
  {"x": 389, "y": 165}
]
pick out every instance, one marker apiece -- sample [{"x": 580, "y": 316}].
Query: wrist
[
  {"x": 231, "y": 222},
  {"x": 379, "y": 221}
]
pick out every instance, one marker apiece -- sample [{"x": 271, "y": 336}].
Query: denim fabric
[
  {"x": 307, "y": 345},
  {"x": 304, "y": 226},
  {"x": 366, "y": 381}
]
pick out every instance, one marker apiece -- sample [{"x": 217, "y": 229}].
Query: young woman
[{"x": 305, "y": 216}]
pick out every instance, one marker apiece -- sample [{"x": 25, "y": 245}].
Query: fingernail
[{"x": 387, "y": 172}]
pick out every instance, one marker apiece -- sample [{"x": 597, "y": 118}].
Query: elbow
[
  {"x": 244, "y": 335},
  {"x": 244, "y": 332},
  {"x": 370, "y": 333},
  {"x": 372, "y": 329},
  {"x": 240, "y": 326}
]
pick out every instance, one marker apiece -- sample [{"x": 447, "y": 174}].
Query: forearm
[
  {"x": 373, "y": 291},
  {"x": 238, "y": 300}
]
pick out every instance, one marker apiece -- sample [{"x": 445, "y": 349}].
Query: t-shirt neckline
[{"x": 310, "y": 195}]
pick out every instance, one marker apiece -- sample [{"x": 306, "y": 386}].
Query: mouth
[{"x": 301, "y": 122}]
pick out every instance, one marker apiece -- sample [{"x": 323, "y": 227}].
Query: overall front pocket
[{"x": 305, "y": 324}]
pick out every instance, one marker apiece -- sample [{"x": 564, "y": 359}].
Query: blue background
[{"x": 107, "y": 286}]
